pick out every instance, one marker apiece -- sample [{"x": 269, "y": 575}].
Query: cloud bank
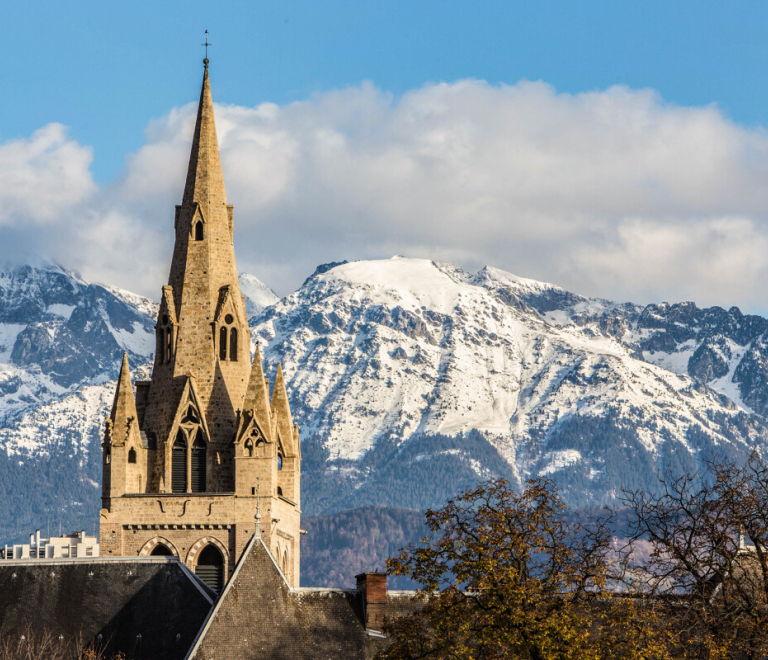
[{"x": 612, "y": 193}]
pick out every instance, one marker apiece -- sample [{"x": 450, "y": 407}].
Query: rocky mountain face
[
  {"x": 58, "y": 332},
  {"x": 410, "y": 380}
]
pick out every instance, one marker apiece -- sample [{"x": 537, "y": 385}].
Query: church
[
  {"x": 200, "y": 448},
  {"x": 200, "y": 525}
]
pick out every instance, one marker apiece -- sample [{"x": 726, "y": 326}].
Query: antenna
[{"x": 206, "y": 44}]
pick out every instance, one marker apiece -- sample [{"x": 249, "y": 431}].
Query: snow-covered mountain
[
  {"x": 258, "y": 296},
  {"x": 58, "y": 332},
  {"x": 383, "y": 354},
  {"x": 410, "y": 379}
]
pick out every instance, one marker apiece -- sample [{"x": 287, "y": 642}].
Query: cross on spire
[{"x": 206, "y": 44}]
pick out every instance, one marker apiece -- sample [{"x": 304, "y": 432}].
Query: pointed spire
[
  {"x": 281, "y": 409},
  {"x": 205, "y": 179},
  {"x": 124, "y": 404},
  {"x": 124, "y": 418},
  {"x": 257, "y": 395}
]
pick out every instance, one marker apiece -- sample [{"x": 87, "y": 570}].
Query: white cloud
[
  {"x": 611, "y": 193},
  {"x": 43, "y": 178}
]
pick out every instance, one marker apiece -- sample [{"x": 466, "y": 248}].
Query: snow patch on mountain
[
  {"x": 67, "y": 423},
  {"x": 388, "y": 350},
  {"x": 258, "y": 295}
]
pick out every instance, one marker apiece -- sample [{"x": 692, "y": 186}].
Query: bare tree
[{"x": 707, "y": 570}]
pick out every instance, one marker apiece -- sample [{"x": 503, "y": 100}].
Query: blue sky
[
  {"x": 617, "y": 149},
  {"x": 105, "y": 68}
]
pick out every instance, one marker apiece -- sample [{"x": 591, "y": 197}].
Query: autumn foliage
[{"x": 507, "y": 575}]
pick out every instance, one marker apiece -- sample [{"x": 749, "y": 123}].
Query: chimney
[{"x": 373, "y": 587}]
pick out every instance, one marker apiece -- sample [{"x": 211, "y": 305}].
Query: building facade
[
  {"x": 197, "y": 450},
  {"x": 77, "y": 544}
]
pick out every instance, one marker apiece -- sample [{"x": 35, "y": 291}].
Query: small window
[
  {"x": 223, "y": 344},
  {"x": 131, "y": 455},
  {"x": 229, "y": 318},
  {"x": 168, "y": 343},
  {"x": 165, "y": 319},
  {"x": 279, "y": 462},
  {"x": 253, "y": 490},
  {"x": 233, "y": 344},
  {"x": 161, "y": 344},
  {"x": 279, "y": 491},
  {"x": 199, "y": 231}
]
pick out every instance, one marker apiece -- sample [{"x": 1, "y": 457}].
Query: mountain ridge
[{"x": 411, "y": 379}]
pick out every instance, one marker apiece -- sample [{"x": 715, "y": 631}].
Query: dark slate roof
[
  {"x": 259, "y": 616},
  {"x": 118, "y": 598}
]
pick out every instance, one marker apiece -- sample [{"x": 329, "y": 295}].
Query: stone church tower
[{"x": 189, "y": 457}]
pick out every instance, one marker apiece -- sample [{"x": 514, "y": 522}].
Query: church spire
[
  {"x": 124, "y": 404},
  {"x": 205, "y": 179},
  {"x": 281, "y": 409},
  {"x": 257, "y": 395}
]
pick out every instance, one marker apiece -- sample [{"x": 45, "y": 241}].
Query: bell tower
[{"x": 187, "y": 458}]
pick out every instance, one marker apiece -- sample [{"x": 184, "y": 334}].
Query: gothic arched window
[
  {"x": 131, "y": 455},
  {"x": 198, "y": 463},
  {"x": 161, "y": 344},
  {"x": 164, "y": 339},
  {"x": 179, "y": 464},
  {"x": 248, "y": 447},
  {"x": 223, "y": 344},
  {"x": 199, "y": 231},
  {"x": 279, "y": 461},
  {"x": 233, "y": 344},
  {"x": 228, "y": 344}
]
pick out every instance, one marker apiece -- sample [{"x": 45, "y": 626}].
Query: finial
[{"x": 206, "y": 44}]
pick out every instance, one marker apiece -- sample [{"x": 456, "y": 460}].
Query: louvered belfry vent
[
  {"x": 210, "y": 568},
  {"x": 179, "y": 465},
  {"x": 198, "y": 464}
]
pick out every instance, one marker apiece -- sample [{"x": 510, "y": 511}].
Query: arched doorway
[
  {"x": 161, "y": 550},
  {"x": 210, "y": 567}
]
